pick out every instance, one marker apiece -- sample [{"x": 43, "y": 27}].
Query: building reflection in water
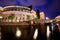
[
  {"x": 48, "y": 32},
  {"x": 52, "y": 26},
  {"x": 30, "y": 32},
  {"x": 22, "y": 32}
]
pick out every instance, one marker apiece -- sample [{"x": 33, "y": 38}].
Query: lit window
[{"x": 28, "y": 17}]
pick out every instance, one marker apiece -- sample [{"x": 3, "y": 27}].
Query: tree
[{"x": 37, "y": 14}]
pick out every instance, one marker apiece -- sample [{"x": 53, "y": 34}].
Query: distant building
[
  {"x": 57, "y": 18},
  {"x": 21, "y": 13}
]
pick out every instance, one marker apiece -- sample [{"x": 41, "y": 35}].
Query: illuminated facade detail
[
  {"x": 34, "y": 14},
  {"x": 42, "y": 16},
  {"x": 47, "y": 18},
  {"x": 21, "y": 13},
  {"x": 1, "y": 8},
  {"x": 57, "y": 18}
]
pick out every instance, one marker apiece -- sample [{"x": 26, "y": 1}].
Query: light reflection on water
[
  {"x": 19, "y": 33},
  {"x": 35, "y": 34}
]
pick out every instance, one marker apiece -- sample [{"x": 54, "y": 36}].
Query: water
[{"x": 28, "y": 32}]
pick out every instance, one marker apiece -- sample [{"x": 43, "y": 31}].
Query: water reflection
[
  {"x": 47, "y": 31},
  {"x": 18, "y": 32},
  {"x": 35, "y": 34}
]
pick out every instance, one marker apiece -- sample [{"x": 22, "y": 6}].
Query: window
[
  {"x": 20, "y": 18},
  {"x": 28, "y": 17}
]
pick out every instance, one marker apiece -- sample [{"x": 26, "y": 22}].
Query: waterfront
[{"x": 8, "y": 31}]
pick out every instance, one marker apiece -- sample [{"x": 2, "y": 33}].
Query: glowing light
[
  {"x": 48, "y": 31},
  {"x": 57, "y": 24},
  {"x": 1, "y": 17},
  {"x": 17, "y": 6},
  {"x": 9, "y": 20},
  {"x": 47, "y": 18},
  {"x": 31, "y": 22},
  {"x": 35, "y": 34},
  {"x": 17, "y": 20},
  {"x": 51, "y": 20},
  {"x": 42, "y": 15},
  {"x": 18, "y": 32}
]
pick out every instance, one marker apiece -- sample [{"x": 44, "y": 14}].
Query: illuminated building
[
  {"x": 21, "y": 13},
  {"x": 33, "y": 13},
  {"x": 57, "y": 18},
  {"x": 42, "y": 15}
]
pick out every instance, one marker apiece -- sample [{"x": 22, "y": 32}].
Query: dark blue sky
[{"x": 51, "y": 8}]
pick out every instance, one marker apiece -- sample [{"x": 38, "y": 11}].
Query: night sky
[{"x": 51, "y": 8}]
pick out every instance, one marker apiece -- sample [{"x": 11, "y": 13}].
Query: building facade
[{"x": 18, "y": 13}]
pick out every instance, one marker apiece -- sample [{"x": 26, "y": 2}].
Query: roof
[{"x": 17, "y": 6}]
